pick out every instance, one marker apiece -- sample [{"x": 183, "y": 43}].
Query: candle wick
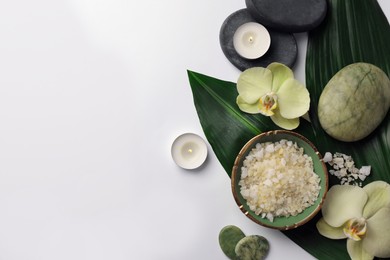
[{"x": 251, "y": 39}]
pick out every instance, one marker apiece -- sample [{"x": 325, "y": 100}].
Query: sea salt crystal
[
  {"x": 283, "y": 161},
  {"x": 349, "y": 164},
  {"x": 343, "y": 172},
  {"x": 268, "y": 183},
  {"x": 270, "y": 148},
  {"x": 365, "y": 170},
  {"x": 343, "y": 167},
  {"x": 283, "y": 178},
  {"x": 327, "y": 157},
  {"x": 244, "y": 172},
  {"x": 362, "y": 177}
]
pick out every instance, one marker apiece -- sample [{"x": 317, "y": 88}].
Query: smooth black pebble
[
  {"x": 283, "y": 47},
  {"x": 288, "y": 15}
]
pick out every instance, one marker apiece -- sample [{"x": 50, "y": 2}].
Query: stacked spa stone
[{"x": 282, "y": 18}]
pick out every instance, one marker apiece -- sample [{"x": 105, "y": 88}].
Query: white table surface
[{"x": 92, "y": 95}]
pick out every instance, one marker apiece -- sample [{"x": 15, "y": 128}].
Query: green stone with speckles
[
  {"x": 252, "y": 248},
  {"x": 354, "y": 102},
  {"x": 228, "y": 239}
]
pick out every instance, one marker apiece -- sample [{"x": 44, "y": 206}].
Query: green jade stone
[
  {"x": 354, "y": 102},
  {"x": 252, "y": 248},
  {"x": 228, "y": 239}
]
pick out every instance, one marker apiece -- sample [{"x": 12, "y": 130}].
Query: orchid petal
[
  {"x": 293, "y": 99},
  {"x": 378, "y": 197},
  {"x": 329, "y": 231},
  {"x": 248, "y": 108},
  {"x": 377, "y": 239},
  {"x": 280, "y": 74},
  {"x": 356, "y": 251},
  {"x": 343, "y": 202},
  {"x": 288, "y": 124},
  {"x": 254, "y": 83}
]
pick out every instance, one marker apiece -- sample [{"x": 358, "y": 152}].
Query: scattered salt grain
[
  {"x": 327, "y": 157},
  {"x": 343, "y": 167},
  {"x": 365, "y": 170}
]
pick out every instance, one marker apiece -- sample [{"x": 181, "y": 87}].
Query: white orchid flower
[
  {"x": 362, "y": 215},
  {"x": 273, "y": 92}
]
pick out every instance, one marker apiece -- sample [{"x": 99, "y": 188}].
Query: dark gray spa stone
[
  {"x": 288, "y": 15},
  {"x": 283, "y": 47}
]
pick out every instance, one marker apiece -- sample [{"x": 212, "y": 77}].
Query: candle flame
[{"x": 190, "y": 150}]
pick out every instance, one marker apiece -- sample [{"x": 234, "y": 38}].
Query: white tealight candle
[
  {"x": 189, "y": 151},
  {"x": 251, "y": 40}
]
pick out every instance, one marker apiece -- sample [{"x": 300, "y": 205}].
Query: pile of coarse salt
[
  {"x": 278, "y": 180},
  {"x": 344, "y": 169}
]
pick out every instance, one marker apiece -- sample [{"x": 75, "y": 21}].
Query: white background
[{"x": 92, "y": 95}]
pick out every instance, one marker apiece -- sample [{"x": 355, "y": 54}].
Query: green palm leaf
[{"x": 354, "y": 30}]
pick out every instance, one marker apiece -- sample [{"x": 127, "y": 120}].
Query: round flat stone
[
  {"x": 283, "y": 47},
  {"x": 228, "y": 239},
  {"x": 288, "y": 15},
  {"x": 252, "y": 248}
]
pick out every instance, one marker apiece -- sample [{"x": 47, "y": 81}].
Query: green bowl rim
[{"x": 236, "y": 168}]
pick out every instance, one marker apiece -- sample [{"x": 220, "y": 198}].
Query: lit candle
[
  {"x": 251, "y": 40},
  {"x": 189, "y": 151}
]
